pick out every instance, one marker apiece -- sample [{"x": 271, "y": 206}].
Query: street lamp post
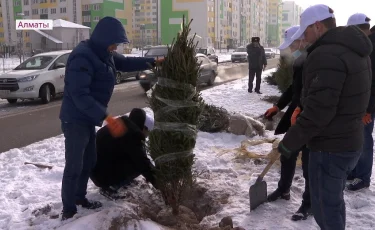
[
  {"x": 277, "y": 20},
  {"x": 142, "y": 27}
]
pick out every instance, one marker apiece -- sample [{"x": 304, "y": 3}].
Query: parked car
[
  {"x": 41, "y": 76},
  {"x": 269, "y": 53},
  {"x": 157, "y": 51},
  {"x": 122, "y": 76},
  {"x": 239, "y": 54},
  {"x": 210, "y": 53},
  {"x": 207, "y": 73}
]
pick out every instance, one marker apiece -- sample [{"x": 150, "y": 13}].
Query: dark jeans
[
  {"x": 363, "y": 169},
  {"x": 328, "y": 173},
  {"x": 80, "y": 158},
  {"x": 288, "y": 167},
  {"x": 252, "y": 73}
]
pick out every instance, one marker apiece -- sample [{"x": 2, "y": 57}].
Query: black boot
[
  {"x": 85, "y": 203},
  {"x": 258, "y": 92},
  {"x": 250, "y": 90},
  {"x": 67, "y": 215},
  {"x": 303, "y": 212},
  {"x": 277, "y": 194}
]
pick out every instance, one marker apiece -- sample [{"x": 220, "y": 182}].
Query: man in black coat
[
  {"x": 257, "y": 60},
  {"x": 291, "y": 97},
  {"x": 336, "y": 90},
  {"x": 361, "y": 174},
  {"x": 121, "y": 160}
]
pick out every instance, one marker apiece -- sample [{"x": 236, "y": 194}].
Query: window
[
  {"x": 35, "y": 2},
  {"x": 53, "y": 1},
  {"x": 62, "y": 0},
  {"x": 53, "y": 10},
  {"x": 39, "y": 62},
  {"x": 63, "y": 59},
  {"x": 1, "y": 35},
  {"x": 44, "y": 11},
  {"x": 86, "y": 18},
  {"x": 63, "y": 10},
  {"x": 27, "y": 34},
  {"x": 96, "y": 18},
  {"x": 26, "y": 13},
  {"x": 35, "y": 12},
  {"x": 285, "y": 17},
  {"x": 43, "y": 1},
  {"x": 86, "y": 7},
  {"x": 25, "y": 2},
  {"x": 17, "y": 3},
  {"x": 96, "y": 7}
]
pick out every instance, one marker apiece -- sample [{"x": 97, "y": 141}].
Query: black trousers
[
  {"x": 252, "y": 73},
  {"x": 288, "y": 167}
]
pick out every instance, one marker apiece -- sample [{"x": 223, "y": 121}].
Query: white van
[{"x": 41, "y": 76}]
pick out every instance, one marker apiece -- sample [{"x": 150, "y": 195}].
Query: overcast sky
[{"x": 344, "y": 8}]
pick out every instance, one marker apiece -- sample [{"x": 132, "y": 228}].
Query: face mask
[{"x": 296, "y": 54}]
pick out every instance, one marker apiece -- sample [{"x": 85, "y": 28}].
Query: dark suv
[{"x": 210, "y": 53}]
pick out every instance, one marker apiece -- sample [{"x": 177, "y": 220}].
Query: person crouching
[{"x": 121, "y": 160}]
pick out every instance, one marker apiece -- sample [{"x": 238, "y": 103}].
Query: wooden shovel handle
[{"x": 269, "y": 165}]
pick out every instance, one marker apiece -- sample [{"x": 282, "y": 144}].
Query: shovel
[{"x": 258, "y": 191}]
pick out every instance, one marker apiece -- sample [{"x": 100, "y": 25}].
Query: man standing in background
[
  {"x": 256, "y": 58},
  {"x": 360, "y": 177}
]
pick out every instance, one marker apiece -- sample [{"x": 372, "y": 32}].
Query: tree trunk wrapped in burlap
[{"x": 177, "y": 105}]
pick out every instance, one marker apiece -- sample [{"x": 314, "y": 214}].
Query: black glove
[{"x": 284, "y": 150}]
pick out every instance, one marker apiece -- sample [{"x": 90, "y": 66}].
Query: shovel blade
[{"x": 258, "y": 194}]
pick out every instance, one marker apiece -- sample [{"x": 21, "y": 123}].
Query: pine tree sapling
[
  {"x": 284, "y": 73},
  {"x": 177, "y": 105}
]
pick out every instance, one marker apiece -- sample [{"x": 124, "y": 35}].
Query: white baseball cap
[
  {"x": 149, "y": 122},
  {"x": 288, "y": 34},
  {"x": 311, "y": 15},
  {"x": 358, "y": 19}
]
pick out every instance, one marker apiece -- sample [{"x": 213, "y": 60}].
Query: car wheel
[
  {"x": 12, "y": 101},
  {"x": 45, "y": 94},
  {"x": 211, "y": 81},
  {"x": 118, "y": 78},
  {"x": 137, "y": 76}
]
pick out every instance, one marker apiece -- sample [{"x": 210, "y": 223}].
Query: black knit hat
[
  {"x": 255, "y": 39},
  {"x": 138, "y": 117}
]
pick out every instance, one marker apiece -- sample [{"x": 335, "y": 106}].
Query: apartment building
[
  {"x": 290, "y": 15},
  {"x": 85, "y": 12},
  {"x": 144, "y": 22},
  {"x": 274, "y": 22}
]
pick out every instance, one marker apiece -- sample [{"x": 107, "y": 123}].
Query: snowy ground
[{"x": 25, "y": 188}]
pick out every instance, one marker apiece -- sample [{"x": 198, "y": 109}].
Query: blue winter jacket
[{"x": 90, "y": 74}]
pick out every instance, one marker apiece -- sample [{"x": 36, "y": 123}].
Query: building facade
[
  {"x": 85, "y": 12},
  {"x": 144, "y": 23},
  {"x": 274, "y": 22},
  {"x": 290, "y": 15}
]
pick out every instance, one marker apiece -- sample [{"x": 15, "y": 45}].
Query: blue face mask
[{"x": 296, "y": 54}]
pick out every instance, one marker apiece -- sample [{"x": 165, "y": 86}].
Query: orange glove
[
  {"x": 295, "y": 114},
  {"x": 116, "y": 127},
  {"x": 271, "y": 112},
  {"x": 367, "y": 119}
]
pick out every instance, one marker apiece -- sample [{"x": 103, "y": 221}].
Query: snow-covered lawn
[{"x": 25, "y": 188}]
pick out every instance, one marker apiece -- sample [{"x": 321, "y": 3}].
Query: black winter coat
[
  {"x": 120, "y": 159},
  {"x": 371, "y": 105},
  {"x": 335, "y": 95},
  {"x": 256, "y": 57},
  {"x": 292, "y": 95}
]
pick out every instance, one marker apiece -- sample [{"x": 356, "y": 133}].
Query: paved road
[{"x": 29, "y": 122}]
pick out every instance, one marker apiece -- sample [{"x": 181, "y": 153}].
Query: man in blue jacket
[{"x": 89, "y": 83}]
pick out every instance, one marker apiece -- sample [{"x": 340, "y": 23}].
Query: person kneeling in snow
[{"x": 121, "y": 160}]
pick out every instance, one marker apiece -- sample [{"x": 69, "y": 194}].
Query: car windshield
[
  {"x": 240, "y": 50},
  {"x": 157, "y": 52},
  {"x": 268, "y": 50},
  {"x": 36, "y": 62},
  {"x": 202, "y": 51}
]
